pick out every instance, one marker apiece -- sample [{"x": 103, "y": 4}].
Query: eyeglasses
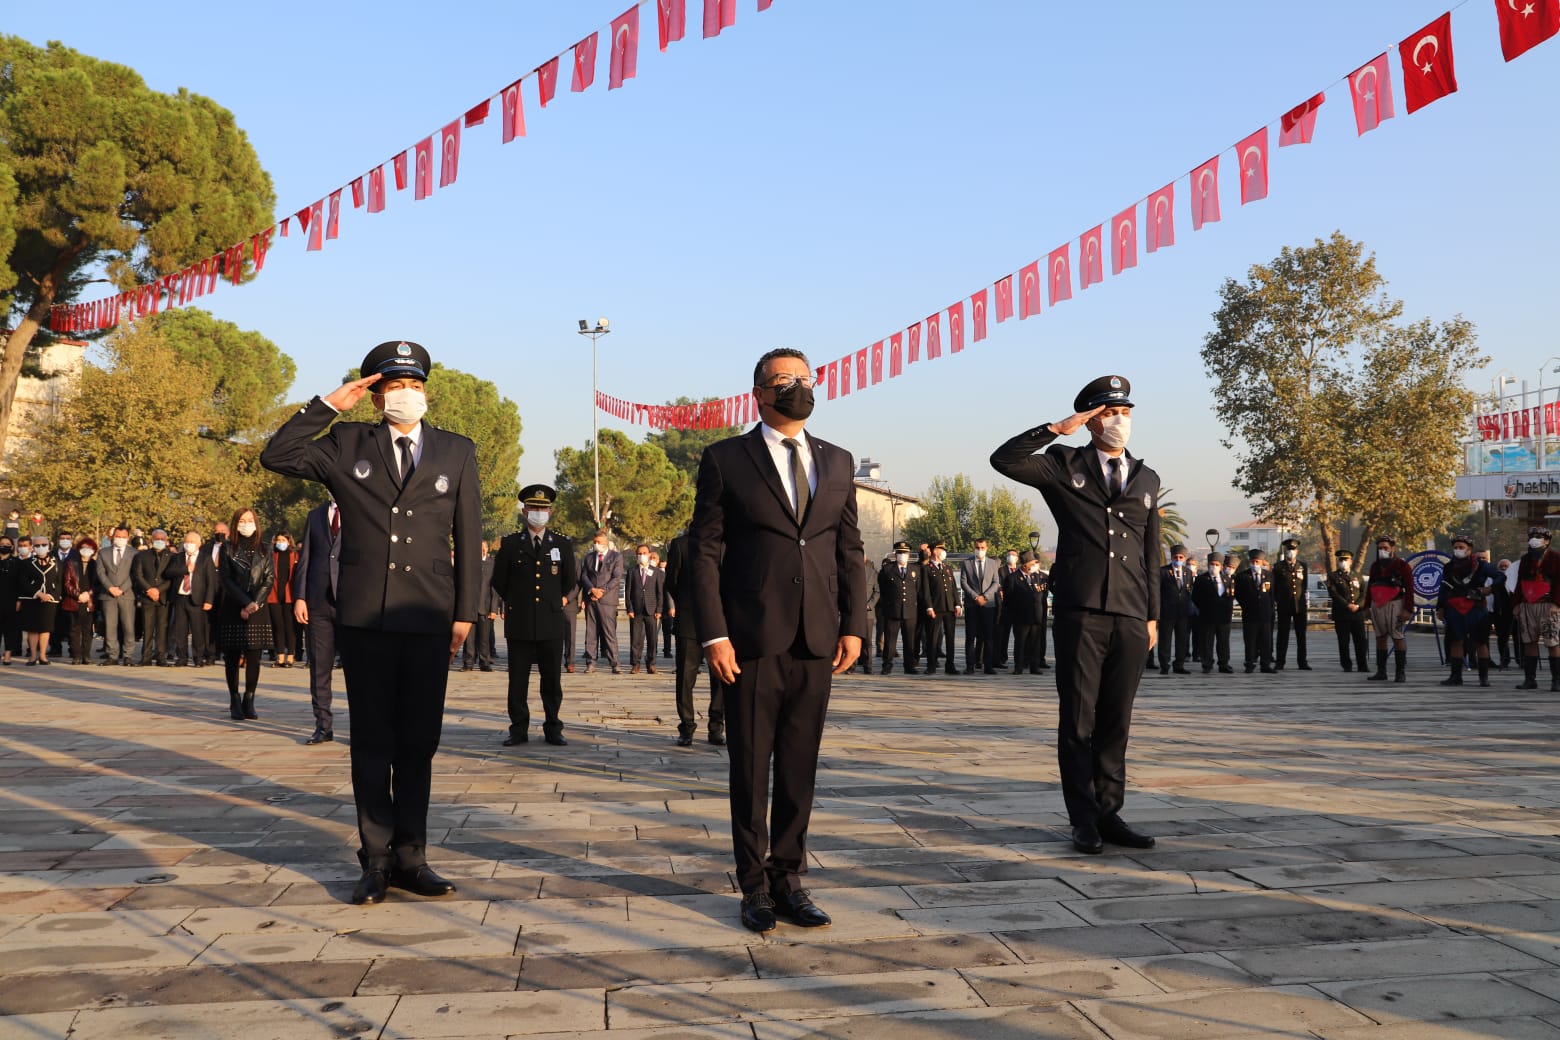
[{"x": 787, "y": 382}]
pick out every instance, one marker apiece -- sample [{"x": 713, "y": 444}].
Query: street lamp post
[
  {"x": 595, "y": 411},
  {"x": 1212, "y": 535},
  {"x": 1034, "y": 543}
]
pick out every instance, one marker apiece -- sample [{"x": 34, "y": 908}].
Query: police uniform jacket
[
  {"x": 1344, "y": 588},
  {"x": 394, "y": 565},
  {"x": 899, "y": 598},
  {"x": 1255, "y": 596},
  {"x": 1175, "y": 592},
  {"x": 1289, "y": 586},
  {"x": 939, "y": 588},
  {"x": 1211, "y": 606},
  {"x": 532, "y": 583},
  {"x": 1107, "y": 554}
]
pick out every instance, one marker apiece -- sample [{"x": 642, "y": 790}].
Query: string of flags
[
  {"x": 1428, "y": 73},
  {"x": 433, "y": 160}
]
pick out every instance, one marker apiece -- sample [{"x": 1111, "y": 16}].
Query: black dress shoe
[
  {"x": 1181, "y": 669},
  {"x": 1303, "y": 667},
  {"x": 991, "y": 671},
  {"x": 685, "y": 740},
  {"x": 911, "y": 671},
  {"x": 798, "y": 908},
  {"x": 320, "y": 736},
  {"x": 758, "y": 912},
  {"x": 485, "y": 667},
  {"x": 421, "y": 882},
  {"x": 1270, "y": 671},
  {"x": 1116, "y": 832},
  {"x": 1225, "y": 669},
  {"x": 516, "y": 738},
  {"x": 1086, "y": 838},
  {"x": 370, "y": 888},
  {"x": 555, "y": 739},
  {"x": 718, "y": 737}
]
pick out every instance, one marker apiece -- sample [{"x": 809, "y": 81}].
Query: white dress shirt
[
  {"x": 415, "y": 433},
  {"x": 774, "y": 440},
  {"x": 1105, "y": 461}
]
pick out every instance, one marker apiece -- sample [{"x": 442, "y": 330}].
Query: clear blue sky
[{"x": 823, "y": 174}]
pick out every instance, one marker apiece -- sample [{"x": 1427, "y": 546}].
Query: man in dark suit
[
  {"x": 479, "y": 644},
  {"x": 601, "y": 583},
  {"x": 189, "y": 602},
  {"x": 899, "y": 594},
  {"x": 645, "y": 597},
  {"x": 149, "y": 577},
  {"x": 940, "y": 600},
  {"x": 315, "y": 581},
  {"x": 532, "y": 574},
  {"x": 216, "y": 545},
  {"x": 1106, "y": 587},
  {"x": 668, "y": 605},
  {"x": 1291, "y": 591},
  {"x": 571, "y": 616},
  {"x": 1175, "y": 611},
  {"x": 409, "y": 495},
  {"x": 978, "y": 577},
  {"x": 690, "y": 653},
  {"x": 1254, "y": 593},
  {"x": 1010, "y": 566},
  {"x": 1213, "y": 594},
  {"x": 781, "y": 600}
]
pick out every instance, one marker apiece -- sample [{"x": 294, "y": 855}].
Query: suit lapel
[
  {"x": 1090, "y": 461},
  {"x": 430, "y": 442},
  {"x": 818, "y": 456},
  {"x": 765, "y": 464},
  {"x": 383, "y": 437}
]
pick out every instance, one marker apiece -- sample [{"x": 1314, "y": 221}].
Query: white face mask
[
  {"x": 121, "y": 543},
  {"x": 1461, "y": 554},
  {"x": 1215, "y": 571},
  {"x": 537, "y": 517},
  {"x": 405, "y": 406},
  {"x": 159, "y": 544},
  {"x": 1179, "y": 563},
  {"x": 644, "y": 561},
  {"x": 1344, "y": 565},
  {"x": 65, "y": 544},
  {"x": 86, "y": 554},
  {"x": 939, "y": 556},
  {"x": 1290, "y": 554},
  {"x": 903, "y": 558},
  {"x": 980, "y": 554},
  {"x": 192, "y": 547},
  {"x": 1383, "y": 554},
  {"x": 246, "y": 528},
  {"x": 1535, "y": 543},
  {"x": 1012, "y": 561},
  {"x": 1115, "y": 430},
  {"x": 23, "y": 552}
]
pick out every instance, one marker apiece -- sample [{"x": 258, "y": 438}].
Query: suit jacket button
[
  {"x": 1112, "y": 530},
  {"x": 1112, "y": 556},
  {"x": 397, "y": 538},
  {"x": 392, "y": 566},
  {"x": 408, "y": 512},
  {"x": 395, "y": 509},
  {"x": 796, "y": 581},
  {"x": 407, "y": 567},
  {"x": 408, "y": 537}
]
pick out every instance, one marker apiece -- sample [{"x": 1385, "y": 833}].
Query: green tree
[
  {"x": 1333, "y": 406},
  {"x": 250, "y": 375},
  {"x": 958, "y": 513},
  {"x": 684, "y": 448},
  {"x": 1172, "y": 525},
  {"x": 102, "y": 177},
  {"x": 643, "y": 496}
]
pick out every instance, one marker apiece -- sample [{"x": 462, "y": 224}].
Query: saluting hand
[
  {"x": 348, "y": 394},
  {"x": 1071, "y": 424}
]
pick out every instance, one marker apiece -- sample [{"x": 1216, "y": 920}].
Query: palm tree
[{"x": 1172, "y": 525}]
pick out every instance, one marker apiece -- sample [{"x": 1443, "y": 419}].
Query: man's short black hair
[{"x": 778, "y": 352}]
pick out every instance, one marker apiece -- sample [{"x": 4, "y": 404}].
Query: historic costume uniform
[
  {"x": 1536, "y": 599},
  {"x": 534, "y": 572},
  {"x": 1391, "y": 592},
  {"x": 1346, "y": 593},
  {"x": 1466, "y": 584},
  {"x": 1291, "y": 579},
  {"x": 899, "y": 593}
]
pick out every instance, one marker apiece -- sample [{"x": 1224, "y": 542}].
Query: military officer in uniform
[
  {"x": 1175, "y": 611},
  {"x": 1346, "y": 593},
  {"x": 409, "y": 494},
  {"x": 533, "y": 573},
  {"x": 1290, "y": 582},
  {"x": 899, "y": 592},
  {"x": 1106, "y": 587},
  {"x": 1254, "y": 593},
  {"x": 940, "y": 601}
]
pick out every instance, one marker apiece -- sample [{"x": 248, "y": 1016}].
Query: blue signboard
[{"x": 1427, "y": 567}]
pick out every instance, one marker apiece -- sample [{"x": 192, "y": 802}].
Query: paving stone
[
  {"x": 42, "y": 1026},
  {"x": 1192, "y": 971},
  {"x": 616, "y": 970},
  {"x": 1055, "y": 982},
  {"x": 1027, "y": 1023},
  {"x": 1282, "y": 929},
  {"x": 1410, "y": 894},
  {"x": 1440, "y": 998},
  {"x": 115, "y": 952},
  {"x": 1085, "y": 943},
  {"x": 876, "y": 956},
  {"x": 1212, "y": 905},
  {"x": 422, "y": 1017},
  {"x": 1290, "y": 1011},
  {"x": 254, "y": 1020},
  {"x": 1435, "y": 955},
  {"x": 1474, "y": 1029},
  {"x": 978, "y": 893},
  {"x": 1002, "y": 918}
]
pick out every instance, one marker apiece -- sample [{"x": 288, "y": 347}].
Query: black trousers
[
  {"x": 319, "y": 635},
  {"x": 641, "y": 638},
  {"x": 666, "y": 637},
  {"x": 395, "y": 691},
  {"x": 1040, "y": 637},
  {"x": 80, "y": 633},
  {"x": 1503, "y": 634},
  {"x": 1099, "y": 660},
  {"x": 775, "y": 714},
  {"x": 891, "y": 630},
  {"x": 571, "y": 614},
  {"x": 1215, "y": 644},
  {"x": 1287, "y": 621},
  {"x": 690, "y": 654},
  {"x": 1351, "y": 630},
  {"x": 284, "y": 636},
  {"x": 980, "y": 630},
  {"x": 1256, "y": 632},
  {"x": 939, "y": 637},
  {"x": 154, "y": 631},
  {"x": 547, "y": 656},
  {"x": 1176, "y": 629},
  {"x": 478, "y": 649},
  {"x": 1026, "y": 648},
  {"x": 1004, "y": 635},
  {"x": 187, "y": 629}
]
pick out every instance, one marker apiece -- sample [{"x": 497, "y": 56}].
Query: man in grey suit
[
  {"x": 601, "y": 581},
  {"x": 979, "y": 580},
  {"x": 117, "y": 596}
]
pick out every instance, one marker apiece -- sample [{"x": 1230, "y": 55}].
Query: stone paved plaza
[{"x": 1336, "y": 859}]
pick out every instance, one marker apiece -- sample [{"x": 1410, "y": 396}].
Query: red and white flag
[
  {"x": 514, "y": 112},
  {"x": 259, "y": 245},
  {"x": 333, "y": 222},
  {"x": 547, "y": 81},
  {"x": 449, "y": 154},
  {"x": 896, "y": 355},
  {"x": 763, "y": 5},
  {"x": 861, "y": 368},
  {"x": 671, "y": 17},
  {"x": 1298, "y": 123},
  {"x": 955, "y": 326},
  {"x": 625, "y": 48},
  {"x": 1123, "y": 240},
  {"x": 977, "y": 319},
  {"x": 1091, "y": 258},
  {"x": 1370, "y": 86},
  {"x": 1428, "y": 70},
  {"x": 1205, "y": 194},
  {"x": 303, "y": 216},
  {"x": 832, "y": 378},
  {"x": 399, "y": 165},
  {"x": 718, "y": 14},
  {"x": 284, "y": 226},
  {"x": 914, "y": 345},
  {"x": 1252, "y": 155},
  {"x": 1160, "y": 218},
  {"x": 477, "y": 114},
  {"x": 934, "y": 331},
  {"x": 376, "y": 189},
  {"x": 1058, "y": 267},
  {"x": 1525, "y": 24},
  {"x": 1029, "y": 290},
  {"x": 422, "y": 185},
  {"x": 357, "y": 193},
  {"x": 1004, "y": 299},
  {"x": 584, "y": 64},
  {"x": 317, "y": 224},
  {"x": 877, "y": 362},
  {"x": 847, "y": 366}
]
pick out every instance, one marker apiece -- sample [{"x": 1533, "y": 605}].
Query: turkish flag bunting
[
  {"x": 914, "y": 345},
  {"x": 333, "y": 222},
  {"x": 547, "y": 81},
  {"x": 1123, "y": 240},
  {"x": 584, "y": 63},
  {"x": 1004, "y": 299},
  {"x": 978, "y": 304},
  {"x": 316, "y": 223},
  {"x": 1091, "y": 261},
  {"x": 877, "y": 362},
  {"x": 1160, "y": 217},
  {"x": 861, "y": 368},
  {"x": 1370, "y": 86},
  {"x": 1428, "y": 71},
  {"x": 896, "y": 355},
  {"x": 476, "y": 115},
  {"x": 1029, "y": 290},
  {"x": 449, "y": 154},
  {"x": 303, "y": 216},
  {"x": 233, "y": 263},
  {"x": 718, "y": 14},
  {"x": 357, "y": 193},
  {"x": 514, "y": 112},
  {"x": 284, "y": 226},
  {"x": 1298, "y": 123},
  {"x": 625, "y": 48},
  {"x": 213, "y": 272},
  {"x": 1252, "y": 153},
  {"x": 1526, "y": 23},
  {"x": 1205, "y": 194},
  {"x": 376, "y": 190},
  {"x": 422, "y": 185},
  {"x": 1058, "y": 267},
  {"x": 259, "y": 245},
  {"x": 934, "y": 330},
  {"x": 671, "y": 17},
  {"x": 399, "y": 165},
  {"x": 847, "y": 364},
  {"x": 763, "y": 5}
]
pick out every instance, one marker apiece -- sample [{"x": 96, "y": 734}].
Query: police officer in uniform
[
  {"x": 899, "y": 593},
  {"x": 409, "y": 494},
  {"x": 1289, "y": 594},
  {"x": 1106, "y": 587},
  {"x": 1346, "y": 592},
  {"x": 534, "y": 572},
  {"x": 1254, "y": 593},
  {"x": 940, "y": 600}
]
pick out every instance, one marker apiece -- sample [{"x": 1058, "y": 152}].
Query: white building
[{"x": 881, "y": 512}]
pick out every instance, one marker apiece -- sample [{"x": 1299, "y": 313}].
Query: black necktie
[
  {"x": 407, "y": 465},
  {"x": 798, "y": 476},
  {"x": 1115, "y": 477}
]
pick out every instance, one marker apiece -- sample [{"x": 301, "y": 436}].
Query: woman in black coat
[
  {"x": 10, "y": 620},
  {"x": 80, "y": 580},
  {"x": 39, "y": 588},
  {"x": 244, "y": 626}
]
